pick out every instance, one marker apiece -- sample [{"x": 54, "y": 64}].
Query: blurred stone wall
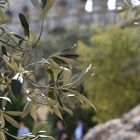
[{"x": 65, "y": 15}]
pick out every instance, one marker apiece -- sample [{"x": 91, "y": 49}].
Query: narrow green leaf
[
  {"x": 27, "y": 108},
  {"x": 4, "y": 102},
  {"x": 6, "y": 98},
  {"x": 17, "y": 36},
  {"x": 59, "y": 101},
  {"x": 38, "y": 127},
  {"x": 4, "y": 51},
  {"x": 33, "y": 113},
  {"x": 14, "y": 113},
  {"x": 36, "y": 4},
  {"x": 66, "y": 75},
  {"x": 49, "y": 4},
  {"x": 86, "y": 73},
  {"x": 69, "y": 55},
  {"x": 47, "y": 137},
  {"x": 2, "y": 136},
  {"x": 20, "y": 41},
  {"x": 2, "y": 120},
  {"x": 59, "y": 75},
  {"x": 44, "y": 2},
  {"x": 11, "y": 120},
  {"x": 67, "y": 102},
  {"x": 58, "y": 60},
  {"x": 68, "y": 49},
  {"x": 51, "y": 74},
  {"x": 83, "y": 99},
  {"x": 68, "y": 110},
  {"x": 24, "y": 24},
  {"x": 57, "y": 111}
]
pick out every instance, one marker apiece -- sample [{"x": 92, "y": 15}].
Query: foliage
[
  {"x": 116, "y": 55},
  {"x": 58, "y": 91}
]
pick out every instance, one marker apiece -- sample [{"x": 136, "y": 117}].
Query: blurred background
[{"x": 103, "y": 39}]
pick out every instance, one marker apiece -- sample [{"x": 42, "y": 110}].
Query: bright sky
[
  {"x": 89, "y": 6},
  {"x": 111, "y": 4},
  {"x": 135, "y": 2}
]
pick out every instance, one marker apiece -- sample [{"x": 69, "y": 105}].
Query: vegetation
[
  {"x": 116, "y": 55},
  {"x": 57, "y": 88},
  {"x": 115, "y": 52}
]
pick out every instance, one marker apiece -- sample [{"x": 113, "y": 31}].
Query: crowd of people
[{"x": 61, "y": 132}]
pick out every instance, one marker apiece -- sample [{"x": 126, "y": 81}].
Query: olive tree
[{"x": 18, "y": 77}]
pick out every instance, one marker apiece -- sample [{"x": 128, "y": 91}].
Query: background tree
[{"x": 116, "y": 54}]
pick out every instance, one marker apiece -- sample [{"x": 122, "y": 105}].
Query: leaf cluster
[{"x": 18, "y": 78}]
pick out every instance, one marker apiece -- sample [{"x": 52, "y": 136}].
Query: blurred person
[
  {"x": 80, "y": 130},
  {"x": 61, "y": 133},
  {"x": 23, "y": 129}
]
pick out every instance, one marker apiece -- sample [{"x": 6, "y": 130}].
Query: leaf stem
[{"x": 41, "y": 31}]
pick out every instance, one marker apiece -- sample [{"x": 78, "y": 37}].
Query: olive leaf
[
  {"x": 83, "y": 99},
  {"x": 44, "y": 5},
  {"x": 89, "y": 71},
  {"x": 11, "y": 120},
  {"x": 36, "y": 4},
  {"x": 44, "y": 2},
  {"x": 4, "y": 51},
  {"x": 49, "y": 4},
  {"x": 57, "y": 111},
  {"x": 14, "y": 113},
  {"x": 2, "y": 120},
  {"x": 2, "y": 136},
  {"x": 38, "y": 127},
  {"x": 6, "y": 98},
  {"x": 27, "y": 108},
  {"x": 24, "y": 24}
]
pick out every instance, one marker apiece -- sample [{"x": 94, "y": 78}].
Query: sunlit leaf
[
  {"x": 4, "y": 102},
  {"x": 67, "y": 102},
  {"x": 66, "y": 75},
  {"x": 47, "y": 137},
  {"x": 6, "y": 98},
  {"x": 86, "y": 73}
]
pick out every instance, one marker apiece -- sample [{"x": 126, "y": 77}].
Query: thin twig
[
  {"x": 14, "y": 47},
  {"x": 41, "y": 31}
]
